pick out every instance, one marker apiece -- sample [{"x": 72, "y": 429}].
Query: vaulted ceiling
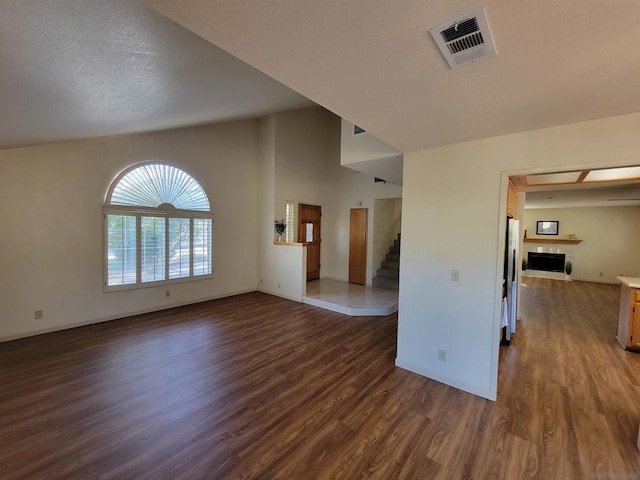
[{"x": 73, "y": 69}]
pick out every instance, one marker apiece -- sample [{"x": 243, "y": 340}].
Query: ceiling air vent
[
  {"x": 358, "y": 130},
  {"x": 465, "y": 39}
]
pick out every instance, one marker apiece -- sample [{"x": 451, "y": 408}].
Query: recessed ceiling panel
[
  {"x": 553, "y": 178},
  {"x": 611, "y": 174}
]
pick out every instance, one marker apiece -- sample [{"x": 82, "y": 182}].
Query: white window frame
[
  {"x": 291, "y": 222},
  {"x": 139, "y": 212},
  {"x": 162, "y": 211}
]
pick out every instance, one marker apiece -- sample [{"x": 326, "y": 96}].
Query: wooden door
[
  {"x": 358, "y": 246},
  {"x": 309, "y": 233}
]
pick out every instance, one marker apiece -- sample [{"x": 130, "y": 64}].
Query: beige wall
[
  {"x": 281, "y": 269},
  {"x": 453, "y": 218},
  {"x": 363, "y": 147},
  {"x": 51, "y": 200},
  {"x": 610, "y": 236},
  {"x": 306, "y": 169}
]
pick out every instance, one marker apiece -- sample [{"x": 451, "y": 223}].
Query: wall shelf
[{"x": 552, "y": 240}]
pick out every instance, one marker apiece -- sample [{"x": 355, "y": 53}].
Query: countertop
[{"x": 631, "y": 282}]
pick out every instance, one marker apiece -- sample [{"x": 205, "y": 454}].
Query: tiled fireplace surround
[{"x": 568, "y": 253}]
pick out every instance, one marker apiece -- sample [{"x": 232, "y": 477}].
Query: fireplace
[{"x": 548, "y": 262}]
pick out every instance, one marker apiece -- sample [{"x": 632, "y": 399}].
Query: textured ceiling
[
  {"x": 375, "y": 64},
  {"x": 77, "y": 68}
]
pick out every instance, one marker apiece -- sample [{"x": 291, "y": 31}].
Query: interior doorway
[
  {"x": 309, "y": 223},
  {"x": 587, "y": 209}
]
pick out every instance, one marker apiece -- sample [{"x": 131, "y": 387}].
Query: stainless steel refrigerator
[{"x": 512, "y": 276}]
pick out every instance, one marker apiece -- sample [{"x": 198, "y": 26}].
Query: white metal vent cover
[{"x": 465, "y": 39}]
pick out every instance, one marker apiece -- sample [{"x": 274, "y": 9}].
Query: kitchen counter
[
  {"x": 631, "y": 282},
  {"x": 629, "y": 315}
]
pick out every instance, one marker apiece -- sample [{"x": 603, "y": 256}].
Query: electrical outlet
[
  {"x": 167, "y": 293},
  {"x": 278, "y": 284},
  {"x": 455, "y": 275},
  {"x": 38, "y": 315},
  {"x": 442, "y": 355},
  {"x": 600, "y": 273}
]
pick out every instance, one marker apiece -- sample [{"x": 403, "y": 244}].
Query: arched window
[{"x": 158, "y": 228}]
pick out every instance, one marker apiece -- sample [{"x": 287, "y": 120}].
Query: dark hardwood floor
[{"x": 255, "y": 386}]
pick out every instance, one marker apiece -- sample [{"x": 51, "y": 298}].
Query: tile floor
[{"x": 351, "y": 299}]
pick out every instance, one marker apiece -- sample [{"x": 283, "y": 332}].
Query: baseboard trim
[
  {"x": 119, "y": 316},
  {"x": 473, "y": 389},
  {"x": 281, "y": 295}
]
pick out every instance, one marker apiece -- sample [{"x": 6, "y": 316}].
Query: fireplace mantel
[{"x": 552, "y": 240}]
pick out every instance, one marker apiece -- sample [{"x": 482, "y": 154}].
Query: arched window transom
[{"x": 155, "y": 184}]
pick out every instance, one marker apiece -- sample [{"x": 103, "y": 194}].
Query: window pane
[
  {"x": 152, "y": 253},
  {"x": 201, "y": 246},
  {"x": 289, "y": 216},
  {"x": 179, "y": 247},
  {"x": 154, "y": 184},
  {"x": 309, "y": 237},
  {"x": 121, "y": 249}
]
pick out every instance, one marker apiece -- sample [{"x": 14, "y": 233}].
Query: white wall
[
  {"x": 301, "y": 155},
  {"x": 51, "y": 200},
  {"x": 363, "y": 147},
  {"x": 281, "y": 269},
  {"x": 610, "y": 236},
  {"x": 454, "y": 215},
  {"x": 367, "y": 153},
  {"x": 306, "y": 169}
]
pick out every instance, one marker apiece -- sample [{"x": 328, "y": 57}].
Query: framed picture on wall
[{"x": 547, "y": 227}]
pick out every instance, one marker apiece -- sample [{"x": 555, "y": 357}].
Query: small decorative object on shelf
[
  {"x": 568, "y": 268},
  {"x": 573, "y": 236},
  {"x": 280, "y": 228}
]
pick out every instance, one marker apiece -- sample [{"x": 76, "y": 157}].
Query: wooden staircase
[{"x": 388, "y": 275}]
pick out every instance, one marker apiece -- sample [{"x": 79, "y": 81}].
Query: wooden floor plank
[{"x": 259, "y": 387}]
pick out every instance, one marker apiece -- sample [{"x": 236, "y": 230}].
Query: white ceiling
[
  {"x": 375, "y": 64},
  {"x": 76, "y": 68}
]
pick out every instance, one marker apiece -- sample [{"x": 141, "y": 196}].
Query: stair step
[
  {"x": 385, "y": 282},
  {"x": 388, "y": 273},
  {"x": 393, "y": 257},
  {"x": 389, "y": 265},
  {"x": 395, "y": 250}
]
